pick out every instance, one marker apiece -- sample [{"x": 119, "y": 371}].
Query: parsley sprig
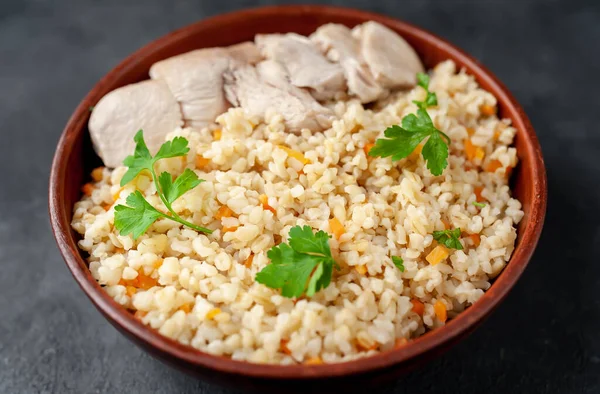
[
  {"x": 401, "y": 141},
  {"x": 398, "y": 262},
  {"x": 449, "y": 238},
  {"x": 304, "y": 266},
  {"x": 135, "y": 217},
  {"x": 431, "y": 99}
]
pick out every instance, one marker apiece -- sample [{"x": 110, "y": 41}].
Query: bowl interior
[{"x": 75, "y": 159}]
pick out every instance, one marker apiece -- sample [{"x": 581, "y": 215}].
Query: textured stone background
[{"x": 543, "y": 339}]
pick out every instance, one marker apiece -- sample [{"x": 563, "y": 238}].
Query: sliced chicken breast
[
  {"x": 392, "y": 61},
  {"x": 304, "y": 63},
  {"x": 147, "y": 105},
  {"x": 196, "y": 79},
  {"x": 340, "y": 46},
  {"x": 266, "y": 86}
]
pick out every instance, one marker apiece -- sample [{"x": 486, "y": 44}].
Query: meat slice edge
[
  {"x": 196, "y": 79},
  {"x": 266, "y": 87},
  {"x": 147, "y": 105},
  {"x": 340, "y": 46},
  {"x": 304, "y": 62},
  {"x": 392, "y": 61}
]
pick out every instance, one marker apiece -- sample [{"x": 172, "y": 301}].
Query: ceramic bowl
[{"x": 75, "y": 158}]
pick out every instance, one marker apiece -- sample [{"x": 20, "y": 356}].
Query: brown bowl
[{"x": 75, "y": 158}]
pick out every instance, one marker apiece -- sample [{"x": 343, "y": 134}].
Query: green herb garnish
[
  {"x": 431, "y": 99},
  {"x": 401, "y": 141},
  {"x": 449, "y": 238},
  {"x": 479, "y": 204},
  {"x": 398, "y": 262},
  {"x": 304, "y": 266},
  {"x": 135, "y": 217}
]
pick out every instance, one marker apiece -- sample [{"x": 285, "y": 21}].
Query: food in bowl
[{"x": 293, "y": 215}]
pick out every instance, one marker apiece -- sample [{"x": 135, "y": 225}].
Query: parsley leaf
[
  {"x": 135, "y": 217},
  {"x": 175, "y": 189},
  {"x": 398, "y": 262},
  {"x": 401, "y": 141},
  {"x": 431, "y": 98},
  {"x": 479, "y": 204},
  {"x": 435, "y": 152},
  {"x": 143, "y": 160},
  {"x": 304, "y": 266},
  {"x": 449, "y": 238}
]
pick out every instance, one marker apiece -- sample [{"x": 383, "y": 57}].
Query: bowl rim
[{"x": 143, "y": 334}]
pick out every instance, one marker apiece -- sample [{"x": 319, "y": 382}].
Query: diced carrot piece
[
  {"x": 493, "y": 165},
  {"x": 201, "y": 161},
  {"x": 97, "y": 174},
  {"x": 488, "y": 110},
  {"x": 479, "y": 153},
  {"x": 212, "y": 313},
  {"x": 313, "y": 361},
  {"x": 364, "y": 345},
  {"x": 130, "y": 290},
  {"x": 295, "y": 154},
  {"x": 417, "y": 307},
  {"x": 116, "y": 196},
  {"x": 217, "y": 134},
  {"x": 248, "y": 262},
  {"x": 478, "y": 195},
  {"x": 223, "y": 212},
  {"x": 437, "y": 255},
  {"x": 476, "y": 238},
  {"x": 447, "y": 225},
  {"x": 400, "y": 342},
  {"x": 498, "y": 131},
  {"x": 264, "y": 200},
  {"x": 336, "y": 228},
  {"x": 145, "y": 282},
  {"x": 140, "y": 314},
  {"x": 472, "y": 151},
  {"x": 470, "y": 131},
  {"x": 187, "y": 308},
  {"x": 414, "y": 155},
  {"x": 469, "y": 149},
  {"x": 367, "y": 148},
  {"x": 440, "y": 311},
  {"x": 87, "y": 189},
  {"x": 356, "y": 128},
  {"x": 283, "y": 347},
  {"x": 228, "y": 229},
  {"x": 361, "y": 269},
  {"x": 106, "y": 207}
]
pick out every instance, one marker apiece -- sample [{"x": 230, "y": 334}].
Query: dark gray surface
[{"x": 543, "y": 339}]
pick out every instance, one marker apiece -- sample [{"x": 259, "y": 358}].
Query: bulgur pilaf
[{"x": 260, "y": 181}]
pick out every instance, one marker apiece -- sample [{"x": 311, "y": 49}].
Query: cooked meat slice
[
  {"x": 258, "y": 89},
  {"x": 304, "y": 62},
  {"x": 246, "y": 52},
  {"x": 274, "y": 74},
  {"x": 147, "y": 105},
  {"x": 339, "y": 45},
  {"x": 196, "y": 79},
  {"x": 392, "y": 61}
]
